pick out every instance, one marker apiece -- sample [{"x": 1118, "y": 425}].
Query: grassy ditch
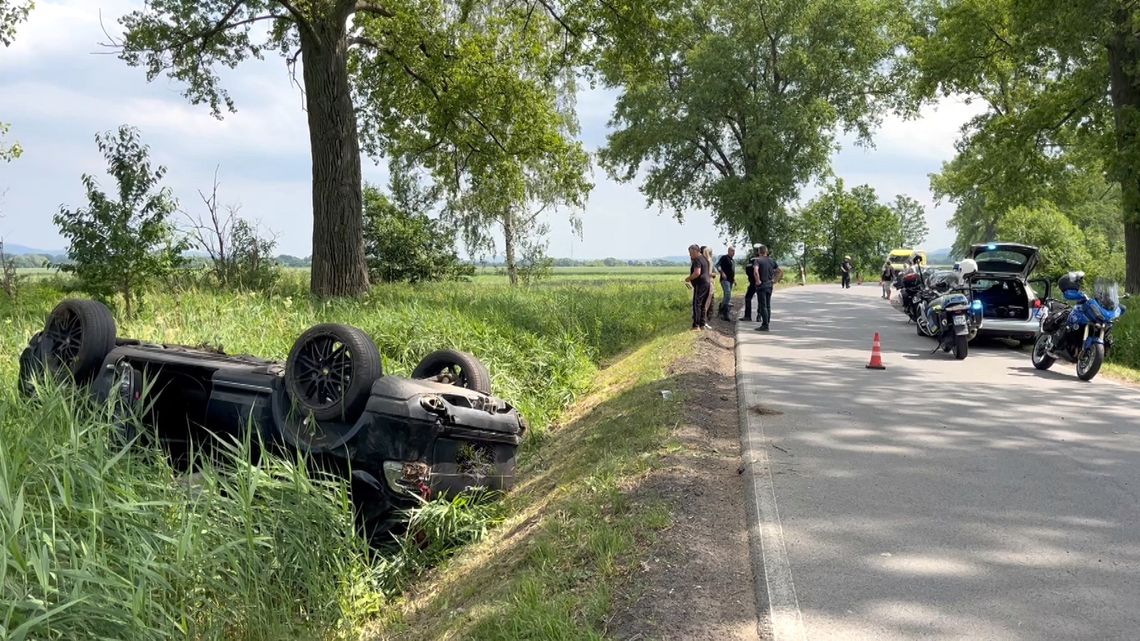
[
  {"x": 99, "y": 542},
  {"x": 555, "y": 566}
]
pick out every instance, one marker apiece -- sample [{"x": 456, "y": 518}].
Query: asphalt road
[{"x": 939, "y": 499}]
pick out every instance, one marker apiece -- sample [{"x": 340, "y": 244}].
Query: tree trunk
[
  {"x": 1123, "y": 58},
  {"x": 509, "y": 233},
  {"x": 339, "y": 264}
]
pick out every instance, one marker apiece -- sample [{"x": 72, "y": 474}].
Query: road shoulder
[{"x": 696, "y": 583}]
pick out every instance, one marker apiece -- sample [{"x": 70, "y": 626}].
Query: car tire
[
  {"x": 1042, "y": 360},
  {"x": 455, "y": 368},
  {"x": 330, "y": 371},
  {"x": 77, "y": 336}
]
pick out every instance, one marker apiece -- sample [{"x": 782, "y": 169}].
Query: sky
[{"x": 59, "y": 86}]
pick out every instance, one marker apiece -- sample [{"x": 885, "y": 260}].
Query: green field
[{"x": 105, "y": 542}]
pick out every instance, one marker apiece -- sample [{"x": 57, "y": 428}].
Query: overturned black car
[{"x": 394, "y": 438}]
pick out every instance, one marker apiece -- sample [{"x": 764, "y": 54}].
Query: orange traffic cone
[{"x": 876, "y": 355}]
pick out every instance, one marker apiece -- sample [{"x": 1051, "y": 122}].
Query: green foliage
[
  {"x": 854, "y": 223},
  {"x": 1062, "y": 244},
  {"x": 12, "y": 13},
  {"x": 8, "y": 152},
  {"x": 1126, "y": 333},
  {"x": 1058, "y": 80},
  {"x": 120, "y": 245},
  {"x": 9, "y": 279},
  {"x": 912, "y": 221},
  {"x": 403, "y": 243},
  {"x": 488, "y": 112},
  {"x": 732, "y": 107}
]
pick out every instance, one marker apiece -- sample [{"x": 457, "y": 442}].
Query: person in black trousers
[
  {"x": 845, "y": 270},
  {"x": 727, "y": 269},
  {"x": 768, "y": 273},
  {"x": 750, "y": 271},
  {"x": 700, "y": 280}
]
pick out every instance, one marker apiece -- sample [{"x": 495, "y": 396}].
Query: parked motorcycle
[
  {"x": 948, "y": 313},
  {"x": 910, "y": 286},
  {"x": 1081, "y": 333}
]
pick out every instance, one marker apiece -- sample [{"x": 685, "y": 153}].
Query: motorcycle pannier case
[{"x": 1055, "y": 321}]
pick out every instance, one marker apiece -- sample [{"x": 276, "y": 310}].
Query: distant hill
[{"x": 15, "y": 249}]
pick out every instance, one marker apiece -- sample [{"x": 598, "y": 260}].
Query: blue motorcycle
[{"x": 1080, "y": 333}]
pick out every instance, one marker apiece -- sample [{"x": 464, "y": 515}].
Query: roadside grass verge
[{"x": 556, "y": 565}]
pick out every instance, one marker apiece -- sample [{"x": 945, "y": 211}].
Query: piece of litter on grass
[{"x": 666, "y": 394}]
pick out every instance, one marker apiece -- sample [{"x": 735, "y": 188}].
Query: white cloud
[{"x": 64, "y": 27}]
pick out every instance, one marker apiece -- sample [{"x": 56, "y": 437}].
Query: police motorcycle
[
  {"x": 1079, "y": 329},
  {"x": 948, "y": 314}
]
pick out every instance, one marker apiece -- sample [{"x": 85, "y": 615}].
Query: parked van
[{"x": 900, "y": 258}]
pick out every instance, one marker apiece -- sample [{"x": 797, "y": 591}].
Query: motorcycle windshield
[{"x": 1107, "y": 295}]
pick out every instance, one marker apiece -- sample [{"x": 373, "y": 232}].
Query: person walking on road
[
  {"x": 700, "y": 281},
  {"x": 768, "y": 273},
  {"x": 727, "y": 269},
  {"x": 845, "y": 271},
  {"x": 750, "y": 271},
  {"x": 887, "y": 277}
]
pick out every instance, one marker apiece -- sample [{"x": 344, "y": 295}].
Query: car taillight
[{"x": 1037, "y": 304}]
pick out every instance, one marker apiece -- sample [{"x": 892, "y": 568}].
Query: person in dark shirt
[
  {"x": 750, "y": 271},
  {"x": 727, "y": 269},
  {"x": 886, "y": 279},
  {"x": 845, "y": 271},
  {"x": 768, "y": 273},
  {"x": 700, "y": 280}
]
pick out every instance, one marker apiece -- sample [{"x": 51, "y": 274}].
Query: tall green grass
[
  {"x": 1126, "y": 334},
  {"x": 98, "y": 541}
]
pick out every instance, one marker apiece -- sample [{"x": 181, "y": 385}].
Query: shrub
[{"x": 119, "y": 246}]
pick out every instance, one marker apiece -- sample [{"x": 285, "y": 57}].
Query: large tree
[
  {"x": 495, "y": 130},
  {"x": 1061, "y": 82},
  {"x": 839, "y": 223},
  {"x": 734, "y": 106},
  {"x": 382, "y": 63},
  {"x": 912, "y": 220}
]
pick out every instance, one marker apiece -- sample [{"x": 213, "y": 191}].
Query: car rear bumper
[{"x": 1007, "y": 328}]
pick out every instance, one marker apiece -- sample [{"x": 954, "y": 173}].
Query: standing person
[
  {"x": 707, "y": 253},
  {"x": 750, "y": 272},
  {"x": 768, "y": 273},
  {"x": 727, "y": 270},
  {"x": 845, "y": 272},
  {"x": 698, "y": 280},
  {"x": 887, "y": 277}
]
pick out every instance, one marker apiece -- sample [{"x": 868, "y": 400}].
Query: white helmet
[{"x": 966, "y": 266}]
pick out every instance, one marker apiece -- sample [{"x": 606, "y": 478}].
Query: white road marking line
[{"x": 775, "y": 589}]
